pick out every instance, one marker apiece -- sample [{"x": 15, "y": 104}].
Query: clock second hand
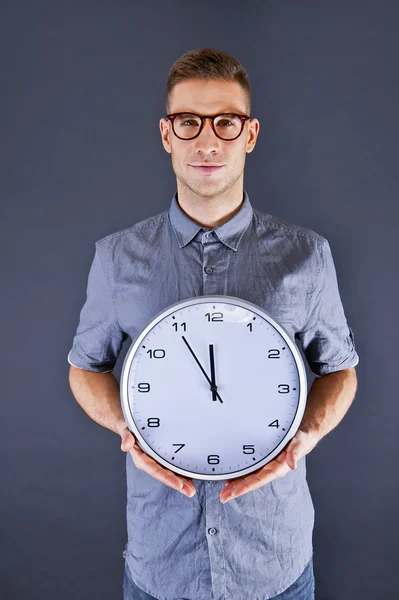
[{"x": 213, "y": 387}]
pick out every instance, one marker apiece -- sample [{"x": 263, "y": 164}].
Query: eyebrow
[{"x": 223, "y": 112}]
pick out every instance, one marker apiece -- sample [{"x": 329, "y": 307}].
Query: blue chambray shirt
[{"x": 254, "y": 546}]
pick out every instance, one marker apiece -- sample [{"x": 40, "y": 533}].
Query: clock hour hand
[{"x": 213, "y": 388}]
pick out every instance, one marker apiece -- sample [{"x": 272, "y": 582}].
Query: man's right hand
[{"x": 145, "y": 463}]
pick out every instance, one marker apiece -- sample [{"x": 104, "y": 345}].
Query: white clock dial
[{"x": 213, "y": 388}]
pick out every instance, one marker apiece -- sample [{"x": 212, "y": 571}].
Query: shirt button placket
[
  {"x": 216, "y": 554},
  {"x": 209, "y": 268},
  {"x": 211, "y": 283}
]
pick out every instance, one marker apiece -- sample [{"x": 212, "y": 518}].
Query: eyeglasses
[{"x": 226, "y": 126}]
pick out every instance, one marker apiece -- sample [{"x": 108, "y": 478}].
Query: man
[{"x": 250, "y": 538}]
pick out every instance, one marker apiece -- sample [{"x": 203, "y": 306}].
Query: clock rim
[{"x": 227, "y": 299}]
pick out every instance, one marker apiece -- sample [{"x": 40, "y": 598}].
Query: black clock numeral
[
  {"x": 284, "y": 388},
  {"x": 143, "y": 387},
  {"x": 158, "y": 353},
  {"x": 274, "y": 353},
  {"x": 250, "y": 448},
  {"x": 215, "y": 316},
  {"x": 213, "y": 459},
  {"x": 274, "y": 424},
  {"x": 181, "y": 325},
  {"x": 181, "y": 446},
  {"x": 153, "y": 421},
  {"x": 250, "y": 326}
]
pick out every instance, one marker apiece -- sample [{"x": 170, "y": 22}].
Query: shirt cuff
[
  {"x": 326, "y": 368},
  {"x": 76, "y": 361}
]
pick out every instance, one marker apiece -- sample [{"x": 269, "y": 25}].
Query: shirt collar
[{"x": 230, "y": 232}]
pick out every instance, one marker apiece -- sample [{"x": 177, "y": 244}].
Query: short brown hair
[{"x": 207, "y": 64}]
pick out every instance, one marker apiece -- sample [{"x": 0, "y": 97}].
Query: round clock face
[{"x": 213, "y": 388}]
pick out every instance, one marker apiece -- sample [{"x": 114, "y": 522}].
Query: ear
[
  {"x": 165, "y": 134},
  {"x": 253, "y": 132}
]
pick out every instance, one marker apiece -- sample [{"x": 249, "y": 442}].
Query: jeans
[{"x": 302, "y": 589}]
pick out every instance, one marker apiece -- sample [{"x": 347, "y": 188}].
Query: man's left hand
[{"x": 300, "y": 445}]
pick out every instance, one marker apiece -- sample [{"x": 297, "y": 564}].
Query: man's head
[{"x": 208, "y": 82}]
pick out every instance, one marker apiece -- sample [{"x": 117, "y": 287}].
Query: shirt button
[
  {"x": 208, "y": 234},
  {"x": 212, "y": 530},
  {"x": 208, "y": 270}
]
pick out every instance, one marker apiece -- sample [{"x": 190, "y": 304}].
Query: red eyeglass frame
[{"x": 243, "y": 118}]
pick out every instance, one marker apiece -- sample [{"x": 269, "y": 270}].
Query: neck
[{"x": 210, "y": 211}]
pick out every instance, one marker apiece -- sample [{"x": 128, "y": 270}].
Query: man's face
[{"x": 208, "y": 98}]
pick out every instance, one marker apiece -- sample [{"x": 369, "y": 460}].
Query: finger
[
  {"x": 295, "y": 452},
  {"x": 253, "y": 482},
  {"x": 269, "y": 467},
  {"x": 291, "y": 462},
  {"x": 128, "y": 441},
  {"x": 154, "y": 469}
]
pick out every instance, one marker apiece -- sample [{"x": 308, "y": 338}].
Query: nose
[{"x": 207, "y": 138}]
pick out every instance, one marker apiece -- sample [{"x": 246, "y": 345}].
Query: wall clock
[{"x": 213, "y": 387}]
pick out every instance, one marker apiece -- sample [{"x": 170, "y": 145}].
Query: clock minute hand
[
  {"x": 201, "y": 367},
  {"x": 212, "y": 360}
]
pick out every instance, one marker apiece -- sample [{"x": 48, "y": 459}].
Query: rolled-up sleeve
[
  {"x": 98, "y": 339},
  {"x": 327, "y": 340}
]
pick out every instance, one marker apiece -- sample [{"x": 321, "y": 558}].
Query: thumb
[
  {"x": 128, "y": 441},
  {"x": 292, "y": 454}
]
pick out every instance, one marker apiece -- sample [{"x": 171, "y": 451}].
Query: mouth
[{"x": 207, "y": 170}]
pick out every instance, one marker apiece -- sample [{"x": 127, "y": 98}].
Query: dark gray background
[{"x": 82, "y": 92}]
